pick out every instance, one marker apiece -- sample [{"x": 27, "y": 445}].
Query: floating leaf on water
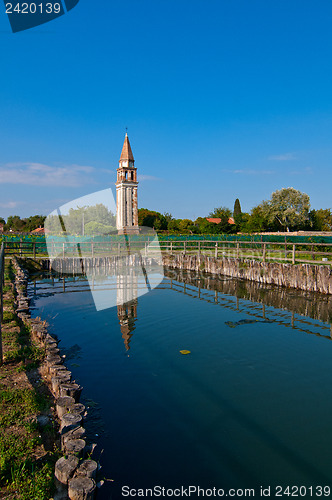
[{"x": 185, "y": 352}]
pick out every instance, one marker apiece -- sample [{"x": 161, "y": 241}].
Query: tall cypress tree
[{"x": 237, "y": 208}]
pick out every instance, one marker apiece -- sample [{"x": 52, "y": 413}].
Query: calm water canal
[{"x": 251, "y": 404}]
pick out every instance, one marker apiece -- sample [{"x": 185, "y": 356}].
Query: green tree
[
  {"x": 221, "y": 213},
  {"x": 242, "y": 225},
  {"x": 205, "y": 227},
  {"x": 34, "y": 222},
  {"x": 289, "y": 207},
  {"x": 237, "y": 208},
  {"x": 237, "y": 214},
  {"x": 100, "y": 214},
  {"x": 150, "y": 218},
  {"x": 186, "y": 226},
  {"x": 224, "y": 214},
  {"x": 321, "y": 219},
  {"x": 87, "y": 218},
  {"x": 258, "y": 220},
  {"x": 94, "y": 217},
  {"x": 168, "y": 216},
  {"x": 224, "y": 226},
  {"x": 15, "y": 224},
  {"x": 96, "y": 228},
  {"x": 173, "y": 225}
]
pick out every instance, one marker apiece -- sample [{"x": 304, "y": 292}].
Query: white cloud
[
  {"x": 38, "y": 174},
  {"x": 304, "y": 171},
  {"x": 148, "y": 178},
  {"x": 10, "y": 204},
  {"x": 106, "y": 171},
  {"x": 283, "y": 157},
  {"x": 250, "y": 172}
]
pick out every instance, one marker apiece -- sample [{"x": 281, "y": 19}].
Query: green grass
[
  {"x": 9, "y": 272},
  {"x": 9, "y": 316},
  {"x": 19, "y": 436},
  {"x": 33, "y": 483},
  {"x": 18, "y": 404},
  {"x": 21, "y": 348},
  {"x": 31, "y": 355},
  {"x": 21, "y": 472}
]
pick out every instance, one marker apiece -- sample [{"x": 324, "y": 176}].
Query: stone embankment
[{"x": 75, "y": 475}]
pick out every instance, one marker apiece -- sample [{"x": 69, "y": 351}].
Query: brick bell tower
[{"x": 126, "y": 192}]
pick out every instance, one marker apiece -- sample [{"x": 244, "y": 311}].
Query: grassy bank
[{"x": 27, "y": 434}]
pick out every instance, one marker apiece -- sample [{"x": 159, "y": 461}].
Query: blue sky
[{"x": 222, "y": 99}]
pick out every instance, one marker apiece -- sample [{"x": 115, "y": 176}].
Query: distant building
[
  {"x": 216, "y": 220},
  {"x": 39, "y": 230},
  {"x": 126, "y": 192}
]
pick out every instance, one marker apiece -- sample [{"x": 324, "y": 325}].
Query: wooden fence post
[
  {"x": 264, "y": 252},
  {"x": 184, "y": 247},
  {"x": 312, "y": 252},
  {"x": 34, "y": 249},
  {"x": 171, "y": 247},
  {"x": 216, "y": 251},
  {"x": 199, "y": 248},
  {"x": 92, "y": 249},
  {"x": 293, "y": 254},
  {"x": 237, "y": 250}
]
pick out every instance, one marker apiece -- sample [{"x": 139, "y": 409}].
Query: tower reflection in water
[
  {"x": 127, "y": 291},
  {"x": 121, "y": 287}
]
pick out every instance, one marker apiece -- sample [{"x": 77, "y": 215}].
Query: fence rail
[{"x": 265, "y": 251}]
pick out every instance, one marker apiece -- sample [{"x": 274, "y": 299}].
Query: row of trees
[
  {"x": 286, "y": 210},
  {"x": 91, "y": 220},
  {"x": 96, "y": 219},
  {"x": 16, "y": 224}
]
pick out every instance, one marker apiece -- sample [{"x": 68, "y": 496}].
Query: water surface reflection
[{"x": 249, "y": 406}]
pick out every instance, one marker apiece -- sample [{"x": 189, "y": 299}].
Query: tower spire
[{"x": 126, "y": 153}]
